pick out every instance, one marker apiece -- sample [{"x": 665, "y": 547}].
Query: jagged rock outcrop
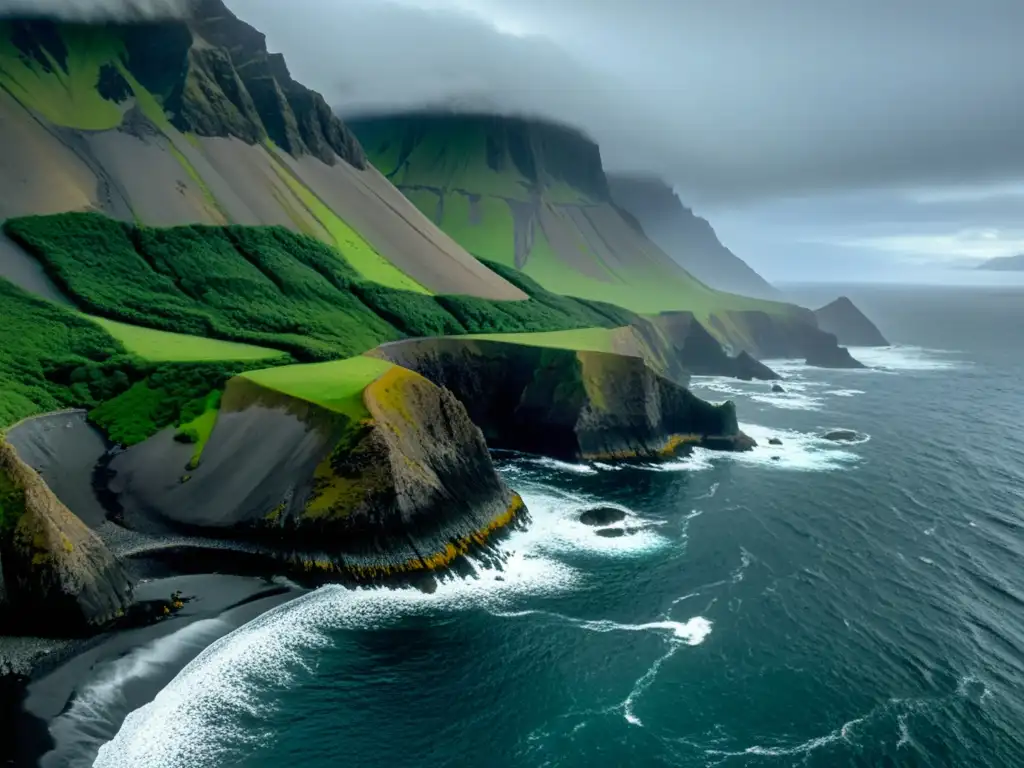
[
  {"x": 58, "y": 577},
  {"x": 686, "y": 237},
  {"x": 407, "y": 488},
  {"x": 568, "y": 404},
  {"x": 849, "y": 325},
  {"x": 214, "y": 77},
  {"x": 785, "y": 336},
  {"x": 234, "y": 87}
]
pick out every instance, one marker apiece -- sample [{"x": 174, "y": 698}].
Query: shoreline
[{"x": 65, "y": 697}]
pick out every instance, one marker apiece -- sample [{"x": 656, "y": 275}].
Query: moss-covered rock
[
  {"x": 568, "y": 404},
  {"x": 406, "y": 485},
  {"x": 57, "y": 576}
]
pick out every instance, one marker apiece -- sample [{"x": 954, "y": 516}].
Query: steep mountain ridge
[
  {"x": 534, "y": 195},
  {"x": 686, "y": 237},
  {"x": 194, "y": 121}
]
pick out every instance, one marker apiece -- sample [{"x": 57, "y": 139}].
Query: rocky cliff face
[
  {"x": 686, "y": 237},
  {"x": 533, "y": 154},
  {"x": 57, "y": 576},
  {"x": 567, "y": 404},
  {"x": 796, "y": 336},
  {"x": 407, "y": 489},
  {"x": 234, "y": 87},
  {"x": 851, "y": 326},
  {"x": 212, "y": 74},
  {"x": 682, "y": 346}
]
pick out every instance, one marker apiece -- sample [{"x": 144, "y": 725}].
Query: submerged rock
[
  {"x": 602, "y": 516},
  {"x": 426, "y": 583},
  {"x": 58, "y": 577},
  {"x": 611, "y": 533},
  {"x": 842, "y": 435},
  {"x": 775, "y": 441},
  {"x": 777, "y": 388}
]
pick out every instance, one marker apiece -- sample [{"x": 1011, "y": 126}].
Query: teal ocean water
[{"x": 814, "y": 603}]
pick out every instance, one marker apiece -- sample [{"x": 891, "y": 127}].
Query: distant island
[{"x": 1004, "y": 264}]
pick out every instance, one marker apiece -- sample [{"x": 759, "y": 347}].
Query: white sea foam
[
  {"x": 561, "y": 466},
  {"x": 642, "y": 685},
  {"x": 185, "y": 724},
  {"x": 845, "y": 392},
  {"x": 555, "y": 526},
  {"x": 842, "y": 733},
  {"x": 907, "y": 358},
  {"x": 96, "y": 710},
  {"x": 799, "y": 451},
  {"x": 904, "y": 731},
  {"x": 797, "y": 395}
]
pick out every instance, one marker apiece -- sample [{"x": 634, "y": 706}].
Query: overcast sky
[{"x": 822, "y": 138}]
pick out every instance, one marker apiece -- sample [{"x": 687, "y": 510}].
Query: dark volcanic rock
[
  {"x": 611, "y": 533},
  {"x": 57, "y": 576},
  {"x": 774, "y": 441},
  {"x": 570, "y": 405},
  {"x": 842, "y": 435},
  {"x": 748, "y": 368},
  {"x": 691, "y": 349},
  {"x": 602, "y": 516},
  {"x": 791, "y": 336},
  {"x": 828, "y": 355},
  {"x": 777, "y": 388},
  {"x": 849, "y": 325}
]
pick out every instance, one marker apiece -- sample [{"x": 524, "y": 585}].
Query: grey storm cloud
[
  {"x": 732, "y": 99},
  {"x": 95, "y": 10}
]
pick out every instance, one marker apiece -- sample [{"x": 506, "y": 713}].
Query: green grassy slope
[
  {"x": 87, "y": 77},
  {"x": 58, "y": 77},
  {"x": 267, "y": 286},
  {"x": 53, "y": 358},
  {"x": 581, "y": 340},
  {"x": 509, "y": 190},
  {"x": 337, "y": 385},
  {"x": 164, "y": 347},
  {"x": 360, "y": 254}
]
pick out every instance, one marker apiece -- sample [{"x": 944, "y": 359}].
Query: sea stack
[{"x": 849, "y": 325}]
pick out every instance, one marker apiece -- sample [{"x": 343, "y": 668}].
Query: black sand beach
[{"x": 61, "y": 698}]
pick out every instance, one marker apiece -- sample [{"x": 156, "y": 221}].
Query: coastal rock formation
[
  {"x": 849, "y": 325},
  {"x": 57, "y": 576},
  {"x": 406, "y": 489},
  {"x": 680, "y": 346},
  {"x": 569, "y": 404},
  {"x": 790, "y": 336}
]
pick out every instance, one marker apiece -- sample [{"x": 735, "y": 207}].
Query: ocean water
[{"x": 815, "y": 603}]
